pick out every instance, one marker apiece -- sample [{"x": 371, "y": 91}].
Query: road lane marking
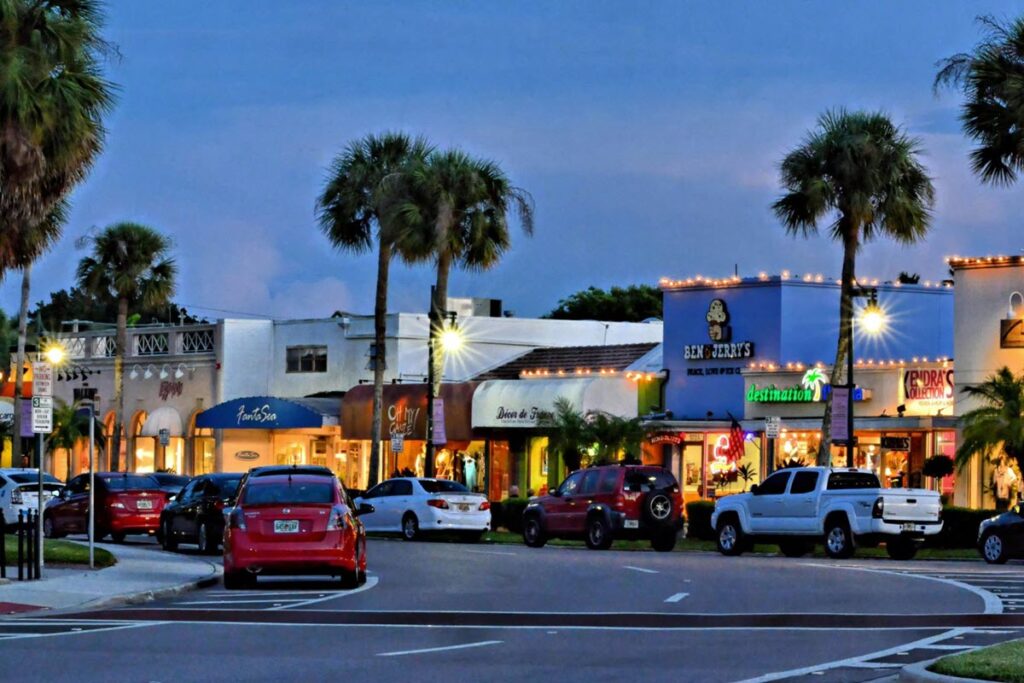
[
  {"x": 237, "y": 602},
  {"x": 490, "y": 552},
  {"x": 640, "y": 569},
  {"x": 482, "y": 643},
  {"x": 370, "y": 583},
  {"x": 676, "y": 598}
]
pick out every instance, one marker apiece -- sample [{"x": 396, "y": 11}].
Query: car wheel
[
  {"x": 169, "y": 543},
  {"x": 48, "y": 529},
  {"x": 410, "y": 527},
  {"x": 794, "y": 548},
  {"x": 838, "y": 539},
  {"x": 533, "y": 532},
  {"x": 729, "y": 536},
  {"x": 350, "y": 580},
  {"x": 207, "y": 545},
  {"x": 993, "y": 548},
  {"x": 901, "y": 548},
  {"x": 657, "y": 508},
  {"x": 598, "y": 534},
  {"x": 664, "y": 541},
  {"x": 118, "y": 536}
]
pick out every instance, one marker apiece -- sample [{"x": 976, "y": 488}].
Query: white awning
[
  {"x": 164, "y": 417},
  {"x": 520, "y": 403}
]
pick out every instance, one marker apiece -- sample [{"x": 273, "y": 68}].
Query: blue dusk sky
[{"x": 648, "y": 133}]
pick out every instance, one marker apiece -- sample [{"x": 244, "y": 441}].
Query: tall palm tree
[
  {"x": 362, "y": 183},
  {"x": 997, "y": 425},
  {"x": 52, "y": 100},
  {"x": 70, "y": 424},
  {"x": 130, "y": 264},
  {"x": 861, "y": 172},
  {"x": 455, "y": 211},
  {"x": 991, "y": 77}
]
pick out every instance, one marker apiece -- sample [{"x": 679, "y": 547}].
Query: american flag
[{"x": 736, "y": 439}]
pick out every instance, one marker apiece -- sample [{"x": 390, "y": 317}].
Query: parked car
[
  {"x": 294, "y": 523},
  {"x": 415, "y": 506},
  {"x": 841, "y": 508},
  {"x": 19, "y": 490},
  {"x": 171, "y": 484},
  {"x": 126, "y": 503},
  {"x": 602, "y": 504},
  {"x": 196, "y": 514},
  {"x": 1002, "y": 537}
]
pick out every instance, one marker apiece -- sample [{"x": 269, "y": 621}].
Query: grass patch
[
  {"x": 1003, "y": 662},
  {"x": 59, "y": 552}
]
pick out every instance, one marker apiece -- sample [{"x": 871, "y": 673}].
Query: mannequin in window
[{"x": 470, "y": 470}]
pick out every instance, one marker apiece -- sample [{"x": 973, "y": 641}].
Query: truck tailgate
[{"x": 911, "y": 505}]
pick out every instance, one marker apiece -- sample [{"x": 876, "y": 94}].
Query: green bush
[
  {"x": 959, "y": 527},
  {"x": 511, "y": 514},
  {"x": 698, "y": 512}
]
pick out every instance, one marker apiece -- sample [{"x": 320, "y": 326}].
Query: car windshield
[
  {"x": 288, "y": 493},
  {"x": 442, "y": 486},
  {"x": 852, "y": 480},
  {"x": 131, "y": 482},
  {"x": 32, "y": 478},
  {"x": 227, "y": 487}
]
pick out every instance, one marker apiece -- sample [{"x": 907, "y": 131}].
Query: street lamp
[
  {"x": 441, "y": 327},
  {"x": 54, "y": 354},
  {"x": 873, "y": 320}
]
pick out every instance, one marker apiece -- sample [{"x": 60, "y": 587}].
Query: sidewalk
[{"x": 141, "y": 573}]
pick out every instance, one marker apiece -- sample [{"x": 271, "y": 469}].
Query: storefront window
[
  {"x": 501, "y": 471},
  {"x": 145, "y": 453},
  {"x": 289, "y": 450},
  {"x": 693, "y": 454},
  {"x": 724, "y": 475},
  {"x": 538, "y": 464},
  {"x": 797, "y": 449},
  {"x": 352, "y": 463},
  {"x": 203, "y": 451},
  {"x": 945, "y": 444},
  {"x": 174, "y": 455}
]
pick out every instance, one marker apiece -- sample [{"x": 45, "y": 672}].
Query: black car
[
  {"x": 170, "y": 484},
  {"x": 1002, "y": 537},
  {"x": 196, "y": 515}
]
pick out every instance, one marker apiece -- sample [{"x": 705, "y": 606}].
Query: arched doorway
[
  {"x": 108, "y": 443},
  {"x": 202, "y": 448},
  {"x": 143, "y": 448}
]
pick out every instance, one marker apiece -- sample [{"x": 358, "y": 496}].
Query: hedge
[
  {"x": 509, "y": 514},
  {"x": 698, "y": 513},
  {"x": 959, "y": 527}
]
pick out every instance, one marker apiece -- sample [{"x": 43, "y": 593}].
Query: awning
[
  {"x": 521, "y": 403},
  {"x": 405, "y": 411},
  {"x": 164, "y": 417},
  {"x": 270, "y": 412}
]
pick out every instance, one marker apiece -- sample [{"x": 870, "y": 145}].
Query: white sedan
[{"x": 415, "y": 506}]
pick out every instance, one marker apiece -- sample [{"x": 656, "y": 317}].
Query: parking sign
[
  {"x": 42, "y": 379},
  {"x": 772, "y": 426},
  {"x": 42, "y": 414}
]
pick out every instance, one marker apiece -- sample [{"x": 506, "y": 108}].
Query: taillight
[
  {"x": 115, "y": 504},
  {"x": 439, "y": 503},
  {"x": 237, "y": 519},
  {"x": 16, "y": 498},
  {"x": 878, "y": 508},
  {"x": 337, "y": 519},
  {"x": 486, "y": 505},
  {"x": 620, "y": 502}
]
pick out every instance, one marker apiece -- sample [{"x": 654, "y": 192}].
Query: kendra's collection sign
[
  {"x": 927, "y": 391},
  {"x": 720, "y": 333}
]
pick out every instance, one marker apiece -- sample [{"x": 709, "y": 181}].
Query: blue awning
[{"x": 270, "y": 412}]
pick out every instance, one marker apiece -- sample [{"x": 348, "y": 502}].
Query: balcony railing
[{"x": 190, "y": 340}]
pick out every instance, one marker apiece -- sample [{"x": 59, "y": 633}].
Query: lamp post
[
  {"x": 872, "y": 319},
  {"x": 54, "y": 354},
  {"x": 450, "y": 340}
]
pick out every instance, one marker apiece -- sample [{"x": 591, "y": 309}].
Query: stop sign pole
[{"x": 42, "y": 424}]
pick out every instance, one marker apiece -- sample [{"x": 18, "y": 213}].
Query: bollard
[
  {"x": 21, "y": 545},
  {"x": 30, "y": 549},
  {"x": 3, "y": 546},
  {"x": 39, "y": 547}
]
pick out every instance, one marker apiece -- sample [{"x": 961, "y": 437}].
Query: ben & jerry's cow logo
[{"x": 718, "y": 319}]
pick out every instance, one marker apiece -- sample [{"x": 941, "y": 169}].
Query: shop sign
[
  {"x": 518, "y": 417},
  {"x": 259, "y": 412},
  {"x": 170, "y": 388},
  {"x": 926, "y": 391},
  {"x": 402, "y": 419},
  {"x": 840, "y": 413},
  {"x": 720, "y": 333},
  {"x": 440, "y": 438},
  {"x": 247, "y": 455},
  {"x": 813, "y": 388},
  {"x": 672, "y": 438},
  {"x": 896, "y": 443},
  {"x": 1011, "y": 334}
]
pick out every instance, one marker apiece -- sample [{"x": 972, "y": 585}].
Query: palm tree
[
  {"x": 569, "y": 433},
  {"x": 70, "y": 424},
  {"x": 997, "y": 425},
  {"x": 455, "y": 211},
  {"x": 991, "y": 77},
  {"x": 129, "y": 264},
  {"x": 613, "y": 436},
  {"x": 863, "y": 173},
  {"x": 361, "y": 185}
]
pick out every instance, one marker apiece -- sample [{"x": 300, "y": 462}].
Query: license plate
[
  {"x": 144, "y": 504},
  {"x": 908, "y": 527},
  {"x": 286, "y": 526},
  {"x": 632, "y": 524},
  {"x": 464, "y": 507}
]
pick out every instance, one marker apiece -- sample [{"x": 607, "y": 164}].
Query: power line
[{"x": 223, "y": 310}]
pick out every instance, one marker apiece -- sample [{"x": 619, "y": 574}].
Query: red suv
[
  {"x": 601, "y": 504},
  {"x": 286, "y": 523}
]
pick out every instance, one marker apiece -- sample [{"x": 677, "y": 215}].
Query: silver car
[{"x": 19, "y": 490}]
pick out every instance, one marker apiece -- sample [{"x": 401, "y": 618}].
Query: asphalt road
[{"x": 450, "y": 612}]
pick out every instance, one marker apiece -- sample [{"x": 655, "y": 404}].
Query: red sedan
[
  {"x": 126, "y": 503},
  {"x": 291, "y": 524}
]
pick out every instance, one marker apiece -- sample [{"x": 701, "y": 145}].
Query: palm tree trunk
[
  {"x": 380, "y": 319},
  {"x": 843, "y": 347},
  {"x": 440, "y": 303},
  {"x": 19, "y": 377},
  {"x": 119, "y": 356}
]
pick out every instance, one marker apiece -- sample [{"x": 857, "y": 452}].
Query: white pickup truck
[{"x": 842, "y": 508}]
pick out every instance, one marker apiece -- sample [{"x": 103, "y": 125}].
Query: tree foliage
[
  {"x": 603, "y": 436},
  {"x": 997, "y": 426},
  {"x": 75, "y": 304},
  {"x": 634, "y": 303}
]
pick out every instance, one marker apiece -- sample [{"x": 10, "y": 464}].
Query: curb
[{"x": 919, "y": 673}]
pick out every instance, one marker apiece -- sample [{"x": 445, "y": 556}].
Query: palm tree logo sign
[{"x": 814, "y": 379}]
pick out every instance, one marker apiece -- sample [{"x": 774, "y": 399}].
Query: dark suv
[{"x": 601, "y": 504}]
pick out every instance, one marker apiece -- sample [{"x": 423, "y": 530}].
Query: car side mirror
[
  {"x": 753, "y": 489},
  {"x": 557, "y": 493},
  {"x": 173, "y": 497},
  {"x": 365, "y": 509}
]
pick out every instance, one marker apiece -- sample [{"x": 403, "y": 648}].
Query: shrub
[
  {"x": 959, "y": 527},
  {"x": 938, "y": 466},
  {"x": 512, "y": 514},
  {"x": 698, "y": 512}
]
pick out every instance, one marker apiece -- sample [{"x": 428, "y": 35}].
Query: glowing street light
[
  {"x": 55, "y": 354},
  {"x": 451, "y": 339},
  {"x": 872, "y": 318}
]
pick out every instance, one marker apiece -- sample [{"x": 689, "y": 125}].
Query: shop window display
[
  {"x": 945, "y": 444},
  {"x": 501, "y": 471},
  {"x": 726, "y": 475},
  {"x": 203, "y": 452}
]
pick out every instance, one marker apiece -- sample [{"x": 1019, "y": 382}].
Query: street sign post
[
  {"x": 42, "y": 379},
  {"x": 397, "y": 442},
  {"x": 42, "y": 414},
  {"x": 772, "y": 426},
  {"x": 42, "y": 424}
]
